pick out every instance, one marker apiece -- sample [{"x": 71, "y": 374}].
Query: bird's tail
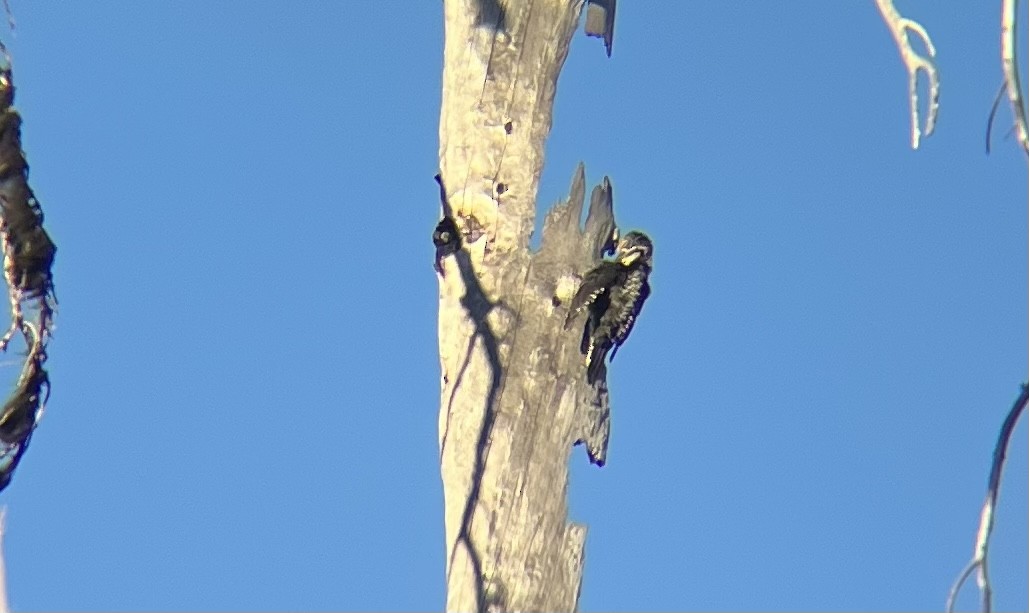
[
  {"x": 586, "y": 344},
  {"x": 595, "y": 361}
]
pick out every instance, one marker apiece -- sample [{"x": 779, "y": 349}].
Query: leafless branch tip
[{"x": 899, "y": 27}]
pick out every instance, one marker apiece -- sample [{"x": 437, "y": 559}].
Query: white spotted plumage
[{"x": 613, "y": 293}]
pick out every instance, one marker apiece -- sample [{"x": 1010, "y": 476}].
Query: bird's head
[{"x": 634, "y": 246}]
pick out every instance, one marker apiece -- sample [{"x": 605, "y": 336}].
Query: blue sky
[{"x": 245, "y": 371}]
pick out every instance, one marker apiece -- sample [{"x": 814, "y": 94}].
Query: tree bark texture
[{"x": 514, "y": 395}]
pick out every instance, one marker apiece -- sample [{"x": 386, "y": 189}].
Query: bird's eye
[{"x": 445, "y": 236}]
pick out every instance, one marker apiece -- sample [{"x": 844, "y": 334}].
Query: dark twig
[{"x": 993, "y": 114}]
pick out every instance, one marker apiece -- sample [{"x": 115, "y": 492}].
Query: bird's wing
[
  {"x": 630, "y": 314},
  {"x": 596, "y": 282}
]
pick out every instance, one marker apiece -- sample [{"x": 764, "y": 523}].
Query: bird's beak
[{"x": 630, "y": 257}]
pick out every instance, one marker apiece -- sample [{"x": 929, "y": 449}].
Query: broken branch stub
[{"x": 600, "y": 21}]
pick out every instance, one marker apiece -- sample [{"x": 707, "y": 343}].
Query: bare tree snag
[{"x": 514, "y": 395}]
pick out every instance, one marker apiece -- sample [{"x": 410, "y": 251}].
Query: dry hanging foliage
[{"x": 28, "y": 255}]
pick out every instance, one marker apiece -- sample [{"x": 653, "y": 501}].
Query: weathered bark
[{"x": 514, "y": 395}]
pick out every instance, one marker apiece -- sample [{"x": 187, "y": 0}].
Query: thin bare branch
[
  {"x": 982, "y": 539},
  {"x": 1009, "y": 63},
  {"x": 10, "y": 16},
  {"x": 899, "y": 27},
  {"x": 993, "y": 114}
]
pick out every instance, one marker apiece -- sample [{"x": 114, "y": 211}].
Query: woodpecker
[{"x": 613, "y": 294}]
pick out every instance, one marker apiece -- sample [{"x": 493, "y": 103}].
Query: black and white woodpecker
[{"x": 613, "y": 294}]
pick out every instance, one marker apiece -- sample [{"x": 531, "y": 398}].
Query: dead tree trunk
[{"x": 514, "y": 394}]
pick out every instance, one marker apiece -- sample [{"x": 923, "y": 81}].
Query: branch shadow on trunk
[{"x": 478, "y": 307}]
